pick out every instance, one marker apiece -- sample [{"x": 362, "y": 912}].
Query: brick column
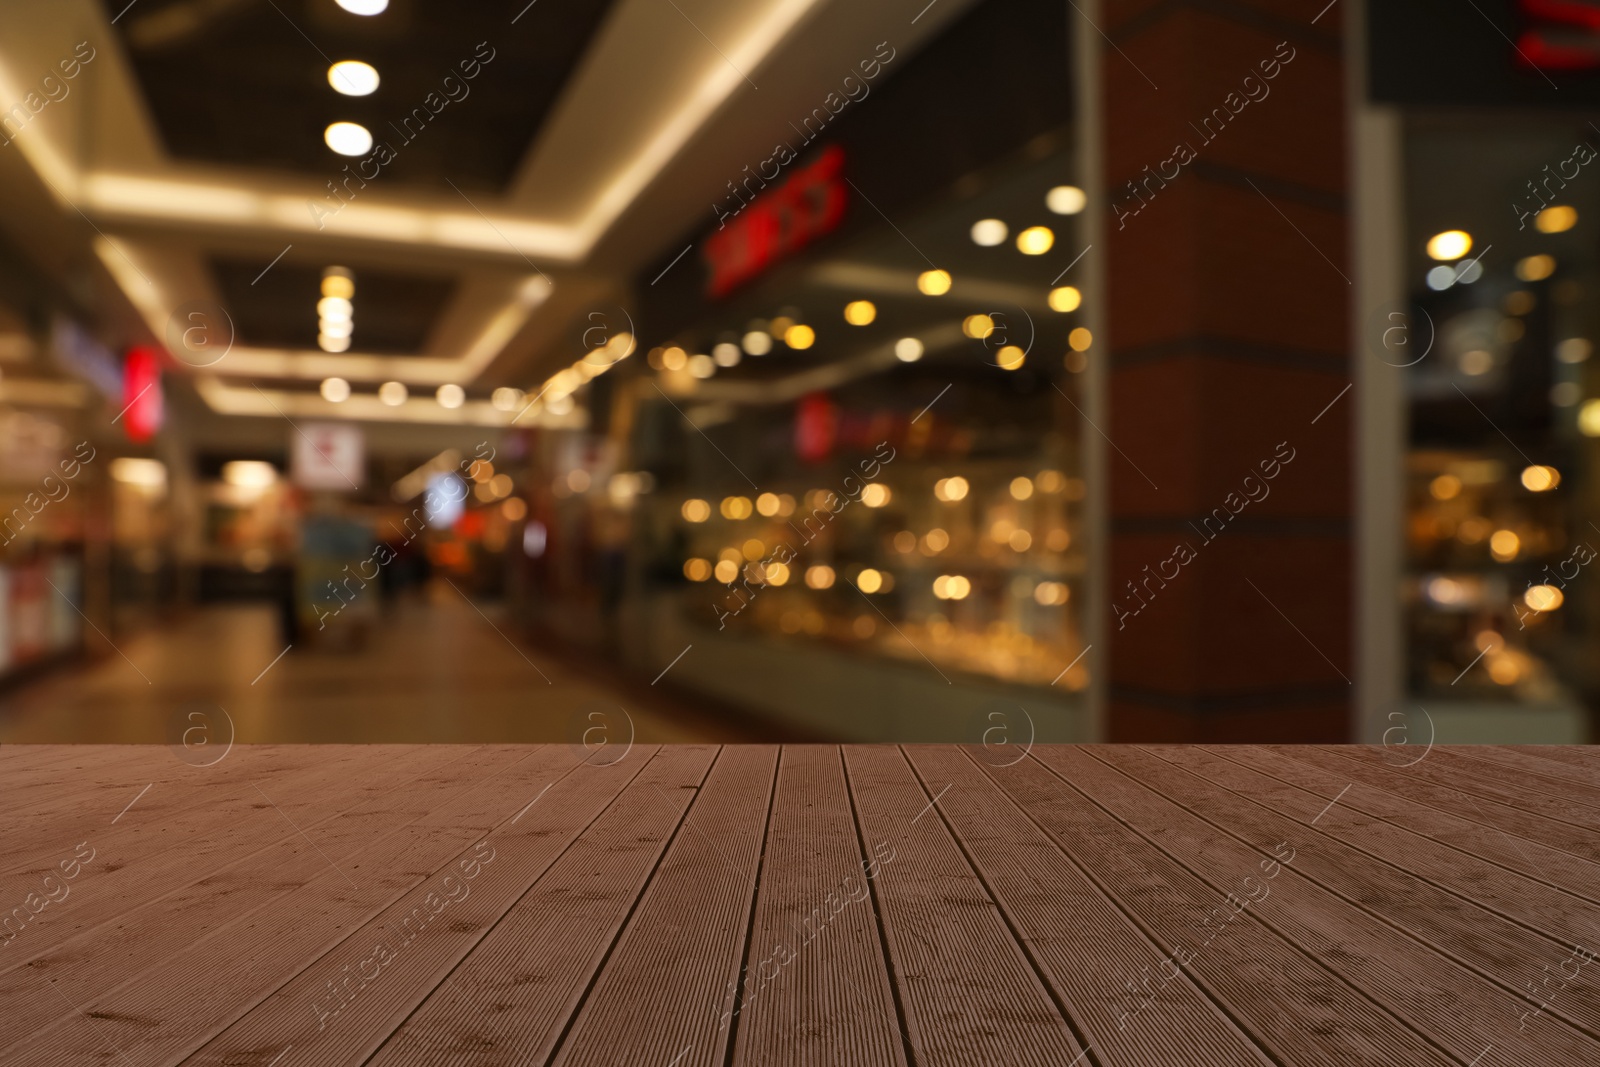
[{"x": 1225, "y": 330}]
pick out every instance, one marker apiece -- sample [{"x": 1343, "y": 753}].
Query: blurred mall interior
[{"x": 383, "y": 370}]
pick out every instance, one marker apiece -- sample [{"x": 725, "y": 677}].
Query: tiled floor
[
  {"x": 697, "y": 906},
  {"x": 441, "y": 671}
]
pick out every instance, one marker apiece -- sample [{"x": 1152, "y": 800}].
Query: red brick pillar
[{"x": 1227, "y": 298}]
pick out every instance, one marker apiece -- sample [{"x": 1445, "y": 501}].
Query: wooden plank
[
  {"x": 1287, "y": 998},
  {"x": 1531, "y": 859},
  {"x": 661, "y": 993},
  {"x": 939, "y": 925},
  {"x": 1455, "y": 1007},
  {"x": 174, "y": 1009},
  {"x": 533, "y": 968},
  {"x": 816, "y": 986},
  {"x": 148, "y": 859},
  {"x": 342, "y": 1007},
  {"x": 96, "y": 960},
  {"x": 1462, "y": 761},
  {"x": 1560, "y": 918},
  {"x": 1076, "y": 936},
  {"x": 1553, "y": 773},
  {"x": 1583, "y": 757},
  {"x": 1481, "y": 780},
  {"x": 1513, "y": 821}
]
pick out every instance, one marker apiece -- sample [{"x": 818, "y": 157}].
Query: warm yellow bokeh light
[
  {"x": 875, "y": 495},
  {"x": 1557, "y": 218},
  {"x": 1451, "y": 244},
  {"x": 697, "y": 570},
  {"x": 1022, "y": 487},
  {"x": 1536, "y": 268},
  {"x": 1010, "y": 357},
  {"x": 869, "y": 581},
  {"x": 1066, "y": 298},
  {"x": 977, "y": 326},
  {"x": 1538, "y": 479},
  {"x": 934, "y": 282},
  {"x": 860, "y": 312},
  {"x": 696, "y": 510},
  {"x": 819, "y": 576},
  {"x": 1080, "y": 339},
  {"x": 1504, "y": 545},
  {"x": 1445, "y": 487},
  {"x": 801, "y": 336},
  {"x": 1543, "y": 598},
  {"x": 1035, "y": 241}
]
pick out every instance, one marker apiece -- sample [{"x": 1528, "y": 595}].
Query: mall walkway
[{"x": 434, "y": 671}]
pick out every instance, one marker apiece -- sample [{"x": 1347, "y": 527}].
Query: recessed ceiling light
[
  {"x": 364, "y": 7},
  {"x": 348, "y": 138},
  {"x": 1065, "y": 200},
  {"x": 450, "y": 395},
  {"x": 506, "y": 398},
  {"x": 336, "y": 327},
  {"x": 934, "y": 282},
  {"x": 987, "y": 233},
  {"x": 726, "y": 355},
  {"x": 1451, "y": 244},
  {"x": 392, "y": 393},
  {"x": 756, "y": 342},
  {"x": 332, "y": 344},
  {"x": 335, "y": 390},
  {"x": 353, "y": 77},
  {"x": 860, "y": 312},
  {"x": 340, "y": 285}
]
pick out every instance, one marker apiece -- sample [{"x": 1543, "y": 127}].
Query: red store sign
[
  {"x": 777, "y": 223},
  {"x": 1563, "y": 34}
]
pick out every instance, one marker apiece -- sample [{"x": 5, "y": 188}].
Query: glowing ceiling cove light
[
  {"x": 353, "y": 77},
  {"x": 364, "y": 7},
  {"x": 348, "y": 138}
]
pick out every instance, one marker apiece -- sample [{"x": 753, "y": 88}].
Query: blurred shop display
[{"x": 1501, "y": 601}]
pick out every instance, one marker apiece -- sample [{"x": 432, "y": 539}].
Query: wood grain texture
[{"x": 744, "y": 906}]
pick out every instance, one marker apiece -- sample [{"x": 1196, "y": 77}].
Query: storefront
[
  {"x": 1495, "y": 339},
  {"x": 846, "y": 455}
]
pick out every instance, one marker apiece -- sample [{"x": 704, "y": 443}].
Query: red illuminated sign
[
  {"x": 141, "y": 393},
  {"x": 777, "y": 223},
  {"x": 1566, "y": 35}
]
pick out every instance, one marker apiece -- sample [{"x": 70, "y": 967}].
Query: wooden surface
[{"x": 695, "y": 905}]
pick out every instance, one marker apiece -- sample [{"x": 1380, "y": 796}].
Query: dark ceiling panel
[
  {"x": 393, "y": 312},
  {"x": 244, "y": 82}
]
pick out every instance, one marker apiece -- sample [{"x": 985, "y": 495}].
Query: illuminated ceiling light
[
  {"x": 674, "y": 358},
  {"x": 1066, "y": 298},
  {"x": 1574, "y": 350},
  {"x": 860, "y": 312},
  {"x": 1065, "y": 200},
  {"x": 753, "y": 549},
  {"x": 1557, "y": 218},
  {"x": 1035, "y": 240},
  {"x": 249, "y": 473},
  {"x": 767, "y": 504},
  {"x": 1504, "y": 545},
  {"x": 702, "y": 366},
  {"x": 757, "y": 342},
  {"x": 986, "y": 233},
  {"x": 977, "y": 326},
  {"x": 335, "y": 327},
  {"x": 392, "y": 393},
  {"x": 1451, "y": 244},
  {"x": 329, "y": 343},
  {"x": 1543, "y": 598},
  {"x": 506, "y": 398},
  {"x": 1010, "y": 357},
  {"x": 869, "y": 581},
  {"x": 337, "y": 281},
  {"x": 1539, "y": 479},
  {"x": 726, "y": 571},
  {"x": 364, "y": 7},
  {"x": 696, "y": 570},
  {"x": 1080, "y": 340},
  {"x": 799, "y": 336},
  {"x": 934, "y": 282},
  {"x": 1536, "y": 268},
  {"x": 696, "y": 510},
  {"x": 908, "y": 350},
  {"x": 135, "y": 470},
  {"x": 727, "y": 355},
  {"x": 450, "y": 395},
  {"x": 348, "y": 138},
  {"x": 1021, "y": 487},
  {"x": 875, "y": 495},
  {"x": 335, "y": 390},
  {"x": 353, "y": 77},
  {"x": 950, "y": 489},
  {"x": 335, "y": 308},
  {"x": 776, "y": 573}
]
